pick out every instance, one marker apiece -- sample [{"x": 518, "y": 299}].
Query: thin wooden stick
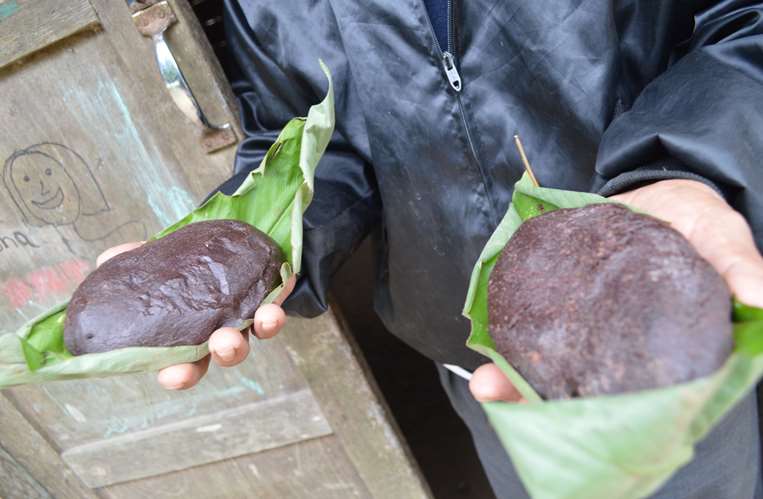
[{"x": 525, "y": 162}]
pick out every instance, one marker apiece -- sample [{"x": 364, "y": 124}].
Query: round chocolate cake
[
  {"x": 176, "y": 290},
  {"x": 602, "y": 300}
]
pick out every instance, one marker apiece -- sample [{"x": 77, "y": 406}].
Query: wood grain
[
  {"x": 15, "y": 481},
  {"x": 79, "y": 412},
  {"x": 313, "y": 469},
  {"x": 27, "y": 26},
  {"x": 29, "y": 449},
  {"x": 354, "y": 407},
  {"x": 194, "y": 441}
]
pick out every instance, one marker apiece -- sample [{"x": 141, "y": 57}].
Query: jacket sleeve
[
  {"x": 346, "y": 204},
  {"x": 702, "y": 118}
]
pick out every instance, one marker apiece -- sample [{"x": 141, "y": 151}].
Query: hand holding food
[
  {"x": 717, "y": 233},
  {"x": 195, "y": 284}
]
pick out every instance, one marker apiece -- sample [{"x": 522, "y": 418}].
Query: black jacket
[{"x": 606, "y": 95}]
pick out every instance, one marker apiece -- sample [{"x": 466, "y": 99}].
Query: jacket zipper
[
  {"x": 446, "y": 56},
  {"x": 448, "y": 60}
]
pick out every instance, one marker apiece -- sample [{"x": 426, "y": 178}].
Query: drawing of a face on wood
[
  {"x": 52, "y": 185},
  {"x": 44, "y": 190}
]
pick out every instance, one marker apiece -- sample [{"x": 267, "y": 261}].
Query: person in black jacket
[{"x": 658, "y": 103}]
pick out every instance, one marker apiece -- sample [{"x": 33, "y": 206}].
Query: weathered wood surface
[
  {"x": 191, "y": 442},
  {"x": 338, "y": 376},
  {"x": 134, "y": 426},
  {"x": 75, "y": 413},
  {"x": 29, "y": 449},
  {"x": 27, "y": 26},
  {"x": 16, "y": 482},
  {"x": 313, "y": 469}
]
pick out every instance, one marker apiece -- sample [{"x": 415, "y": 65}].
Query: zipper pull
[{"x": 449, "y": 65}]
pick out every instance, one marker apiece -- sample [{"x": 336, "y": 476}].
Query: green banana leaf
[
  {"x": 273, "y": 199},
  {"x": 607, "y": 447}
]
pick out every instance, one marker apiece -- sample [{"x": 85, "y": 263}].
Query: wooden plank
[
  {"x": 30, "y": 450},
  {"x": 317, "y": 468},
  {"x": 15, "y": 481},
  {"x": 27, "y": 26},
  {"x": 345, "y": 389},
  {"x": 195, "y": 441},
  {"x": 78, "y": 412}
]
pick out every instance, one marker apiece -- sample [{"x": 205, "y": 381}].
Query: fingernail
[
  {"x": 269, "y": 325},
  {"x": 226, "y": 353}
]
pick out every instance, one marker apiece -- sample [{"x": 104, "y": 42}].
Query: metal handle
[{"x": 152, "y": 22}]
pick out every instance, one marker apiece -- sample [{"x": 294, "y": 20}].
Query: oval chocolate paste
[{"x": 174, "y": 291}]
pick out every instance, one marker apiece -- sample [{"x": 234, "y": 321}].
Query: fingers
[
  {"x": 745, "y": 279},
  {"x": 183, "y": 376},
  {"x": 679, "y": 202},
  {"x": 720, "y": 234},
  {"x": 725, "y": 240},
  {"x": 114, "y": 251},
  {"x": 228, "y": 346},
  {"x": 738, "y": 261},
  {"x": 268, "y": 320},
  {"x": 662, "y": 194},
  {"x": 489, "y": 384}
]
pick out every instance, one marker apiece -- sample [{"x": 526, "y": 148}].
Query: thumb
[
  {"x": 489, "y": 384},
  {"x": 731, "y": 250},
  {"x": 743, "y": 271}
]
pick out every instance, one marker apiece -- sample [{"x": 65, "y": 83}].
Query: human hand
[
  {"x": 227, "y": 346},
  {"x": 720, "y": 234}
]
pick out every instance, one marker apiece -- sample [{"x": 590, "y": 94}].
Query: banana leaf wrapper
[
  {"x": 606, "y": 447},
  {"x": 273, "y": 199}
]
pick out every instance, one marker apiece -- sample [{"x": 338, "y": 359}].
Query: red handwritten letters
[{"x": 44, "y": 282}]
